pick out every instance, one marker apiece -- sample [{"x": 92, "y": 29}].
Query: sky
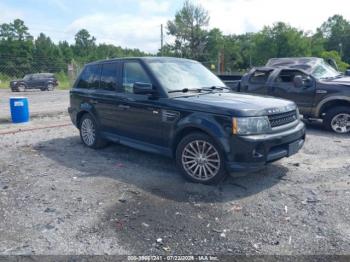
[{"x": 136, "y": 23}]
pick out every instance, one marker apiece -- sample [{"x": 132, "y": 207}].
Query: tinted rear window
[
  {"x": 109, "y": 76},
  {"x": 90, "y": 77}
]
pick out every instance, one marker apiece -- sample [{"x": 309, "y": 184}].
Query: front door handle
[{"x": 124, "y": 107}]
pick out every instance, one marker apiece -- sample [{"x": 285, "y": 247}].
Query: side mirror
[
  {"x": 347, "y": 72},
  {"x": 143, "y": 88},
  {"x": 302, "y": 82},
  {"x": 298, "y": 81},
  {"x": 308, "y": 82}
]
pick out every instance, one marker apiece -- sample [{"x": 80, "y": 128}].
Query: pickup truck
[{"x": 320, "y": 91}]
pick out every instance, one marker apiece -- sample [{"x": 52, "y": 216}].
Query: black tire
[
  {"x": 332, "y": 115},
  {"x": 50, "y": 87},
  {"x": 96, "y": 141},
  {"x": 21, "y": 88},
  {"x": 205, "y": 141}
]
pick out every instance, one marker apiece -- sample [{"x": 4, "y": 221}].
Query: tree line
[
  {"x": 239, "y": 52},
  {"x": 21, "y": 53}
]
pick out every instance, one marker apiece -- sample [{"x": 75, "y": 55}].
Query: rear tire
[
  {"x": 21, "y": 88},
  {"x": 337, "y": 119},
  {"x": 90, "y": 133},
  {"x": 200, "y": 159}
]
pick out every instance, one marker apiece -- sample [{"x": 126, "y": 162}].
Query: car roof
[
  {"x": 145, "y": 58},
  {"x": 305, "y": 63}
]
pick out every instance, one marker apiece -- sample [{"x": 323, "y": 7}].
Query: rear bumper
[{"x": 252, "y": 153}]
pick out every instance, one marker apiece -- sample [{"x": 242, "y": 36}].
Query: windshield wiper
[
  {"x": 210, "y": 88},
  {"x": 185, "y": 90}
]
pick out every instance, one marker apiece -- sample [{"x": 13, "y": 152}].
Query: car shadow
[{"x": 151, "y": 173}]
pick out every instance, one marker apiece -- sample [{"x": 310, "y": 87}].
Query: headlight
[
  {"x": 250, "y": 125},
  {"x": 14, "y": 82}
]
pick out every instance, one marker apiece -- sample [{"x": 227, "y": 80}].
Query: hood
[
  {"x": 235, "y": 104},
  {"x": 344, "y": 80}
]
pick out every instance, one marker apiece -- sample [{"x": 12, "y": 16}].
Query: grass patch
[{"x": 4, "y": 81}]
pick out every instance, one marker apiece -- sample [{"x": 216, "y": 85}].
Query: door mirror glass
[
  {"x": 302, "y": 82},
  {"x": 308, "y": 82},
  {"x": 141, "y": 88}
]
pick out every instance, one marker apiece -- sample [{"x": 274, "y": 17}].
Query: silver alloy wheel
[
  {"x": 341, "y": 123},
  {"x": 88, "y": 132},
  {"x": 201, "y": 160},
  {"x": 50, "y": 87}
]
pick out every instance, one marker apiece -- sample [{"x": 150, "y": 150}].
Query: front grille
[{"x": 283, "y": 118}]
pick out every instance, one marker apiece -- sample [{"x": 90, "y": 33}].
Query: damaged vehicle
[
  {"x": 319, "y": 90},
  {"x": 178, "y": 108}
]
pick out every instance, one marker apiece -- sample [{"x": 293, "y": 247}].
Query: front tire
[
  {"x": 50, "y": 87},
  {"x": 200, "y": 159},
  {"x": 90, "y": 134},
  {"x": 338, "y": 120}
]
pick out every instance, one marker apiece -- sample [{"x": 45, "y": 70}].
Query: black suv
[
  {"x": 178, "y": 108},
  {"x": 42, "y": 81}
]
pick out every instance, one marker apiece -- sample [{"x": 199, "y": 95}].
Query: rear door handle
[{"x": 124, "y": 107}]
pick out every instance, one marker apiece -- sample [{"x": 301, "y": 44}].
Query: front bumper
[{"x": 252, "y": 153}]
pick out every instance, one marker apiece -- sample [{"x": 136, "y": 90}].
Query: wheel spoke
[
  {"x": 201, "y": 160},
  {"x": 187, "y": 150}
]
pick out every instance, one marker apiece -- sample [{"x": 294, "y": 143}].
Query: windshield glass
[
  {"x": 323, "y": 71},
  {"x": 176, "y": 75}
]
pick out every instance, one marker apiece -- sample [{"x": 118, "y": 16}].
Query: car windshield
[
  {"x": 176, "y": 75},
  {"x": 325, "y": 71}
]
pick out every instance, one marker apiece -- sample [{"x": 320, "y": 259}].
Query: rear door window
[
  {"x": 90, "y": 77},
  {"x": 260, "y": 77},
  {"x": 109, "y": 80}
]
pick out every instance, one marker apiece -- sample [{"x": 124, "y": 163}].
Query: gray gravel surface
[
  {"x": 41, "y": 103},
  {"x": 59, "y": 197}
]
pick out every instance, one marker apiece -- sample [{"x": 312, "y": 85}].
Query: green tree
[
  {"x": 85, "y": 45},
  {"x": 280, "y": 40},
  {"x": 16, "y": 48},
  {"x": 336, "y": 31},
  {"x": 188, "y": 28}
]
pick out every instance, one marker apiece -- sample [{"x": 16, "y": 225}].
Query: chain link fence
[{"x": 65, "y": 74}]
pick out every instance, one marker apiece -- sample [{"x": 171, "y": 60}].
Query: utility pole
[{"x": 161, "y": 39}]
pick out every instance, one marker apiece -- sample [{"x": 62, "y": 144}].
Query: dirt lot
[{"x": 58, "y": 197}]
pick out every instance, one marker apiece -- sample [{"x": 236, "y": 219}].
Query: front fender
[
  {"x": 330, "y": 98},
  {"x": 218, "y": 127}
]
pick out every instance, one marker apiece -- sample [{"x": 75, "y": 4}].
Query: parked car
[
  {"x": 42, "y": 81},
  {"x": 317, "y": 88},
  {"x": 178, "y": 108}
]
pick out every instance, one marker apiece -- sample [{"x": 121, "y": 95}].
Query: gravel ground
[
  {"x": 59, "y": 197},
  {"x": 40, "y": 103}
]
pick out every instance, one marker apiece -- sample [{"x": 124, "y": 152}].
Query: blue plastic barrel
[{"x": 19, "y": 109}]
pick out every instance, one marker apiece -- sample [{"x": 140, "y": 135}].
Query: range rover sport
[{"x": 178, "y": 108}]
